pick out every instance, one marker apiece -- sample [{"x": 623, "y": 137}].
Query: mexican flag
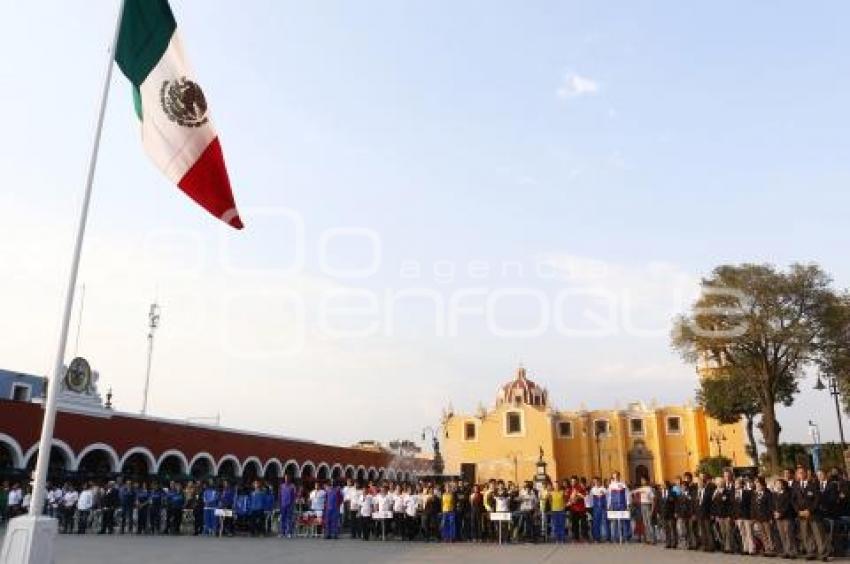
[{"x": 177, "y": 132}]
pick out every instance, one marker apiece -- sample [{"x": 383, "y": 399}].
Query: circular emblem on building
[
  {"x": 183, "y": 102},
  {"x": 78, "y": 376}
]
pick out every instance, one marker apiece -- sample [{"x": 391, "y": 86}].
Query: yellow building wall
[
  {"x": 496, "y": 454},
  {"x": 500, "y": 456}
]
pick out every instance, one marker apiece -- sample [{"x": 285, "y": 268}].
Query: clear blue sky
[{"x": 632, "y": 145}]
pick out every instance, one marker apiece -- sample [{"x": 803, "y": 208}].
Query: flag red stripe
[{"x": 208, "y": 184}]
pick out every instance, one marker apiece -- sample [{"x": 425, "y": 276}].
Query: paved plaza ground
[{"x": 170, "y": 550}]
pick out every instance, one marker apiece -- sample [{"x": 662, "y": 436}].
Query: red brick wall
[{"x": 22, "y": 421}]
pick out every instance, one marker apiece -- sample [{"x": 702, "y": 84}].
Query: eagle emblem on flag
[{"x": 183, "y": 102}]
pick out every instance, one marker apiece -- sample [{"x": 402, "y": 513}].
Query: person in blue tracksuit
[
  {"x": 143, "y": 508},
  {"x": 127, "y": 497},
  {"x": 330, "y": 515},
  {"x": 175, "y": 502},
  {"x": 287, "y": 507},
  {"x": 618, "y": 500},
  {"x": 242, "y": 507},
  {"x": 257, "y": 505},
  {"x": 211, "y": 499},
  {"x": 157, "y": 498},
  {"x": 599, "y": 511},
  {"x": 268, "y": 507},
  {"x": 227, "y": 501}
]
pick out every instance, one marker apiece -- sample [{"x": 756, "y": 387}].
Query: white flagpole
[{"x": 45, "y": 444}]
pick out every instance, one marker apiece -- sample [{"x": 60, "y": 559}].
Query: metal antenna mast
[{"x": 153, "y": 324}]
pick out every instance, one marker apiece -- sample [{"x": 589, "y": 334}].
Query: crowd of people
[{"x": 801, "y": 513}]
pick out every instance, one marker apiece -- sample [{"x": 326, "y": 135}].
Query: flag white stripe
[{"x": 173, "y": 147}]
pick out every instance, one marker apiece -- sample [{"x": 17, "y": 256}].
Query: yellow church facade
[{"x": 506, "y": 441}]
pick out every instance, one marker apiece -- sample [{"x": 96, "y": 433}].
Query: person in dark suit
[
  {"x": 783, "y": 515},
  {"x": 108, "y": 504},
  {"x": 667, "y": 511},
  {"x": 762, "y": 515},
  {"x": 721, "y": 513},
  {"x": 742, "y": 515},
  {"x": 829, "y": 496},
  {"x": 686, "y": 523},
  {"x": 702, "y": 510},
  {"x": 806, "y": 500}
]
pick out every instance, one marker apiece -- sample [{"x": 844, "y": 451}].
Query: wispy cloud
[{"x": 574, "y": 85}]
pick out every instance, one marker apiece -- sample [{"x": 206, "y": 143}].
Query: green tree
[
  {"x": 765, "y": 327},
  {"x": 792, "y": 454},
  {"x": 727, "y": 397},
  {"x": 713, "y": 465},
  {"x": 835, "y": 360}
]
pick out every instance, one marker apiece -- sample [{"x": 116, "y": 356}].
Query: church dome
[{"x": 521, "y": 390}]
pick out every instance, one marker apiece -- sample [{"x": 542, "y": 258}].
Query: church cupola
[{"x": 522, "y": 391}]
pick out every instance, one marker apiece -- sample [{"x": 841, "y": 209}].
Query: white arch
[
  {"x": 180, "y": 456},
  {"x": 341, "y": 471},
  {"x": 202, "y": 455},
  {"x": 269, "y": 463},
  {"x": 382, "y": 473},
  {"x": 372, "y": 471},
  {"x": 233, "y": 459},
  {"x": 307, "y": 463},
  {"x": 293, "y": 462},
  {"x": 350, "y": 467},
  {"x": 327, "y": 468},
  {"x": 70, "y": 458},
  {"x": 249, "y": 460},
  {"x": 365, "y": 471},
  {"x": 15, "y": 448},
  {"x": 151, "y": 459},
  {"x": 113, "y": 456},
  {"x": 391, "y": 474}
]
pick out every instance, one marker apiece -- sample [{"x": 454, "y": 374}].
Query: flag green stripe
[
  {"x": 137, "y": 102},
  {"x": 146, "y": 29}
]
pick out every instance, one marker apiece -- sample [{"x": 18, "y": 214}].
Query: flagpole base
[{"x": 29, "y": 540}]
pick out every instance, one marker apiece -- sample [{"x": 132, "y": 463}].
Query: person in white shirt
[
  {"x": 347, "y": 494},
  {"x": 84, "y": 507},
  {"x": 646, "y": 498},
  {"x": 68, "y": 506},
  {"x": 25, "y": 503},
  {"x": 317, "y": 499},
  {"x": 411, "y": 508},
  {"x": 16, "y": 498},
  {"x": 398, "y": 512},
  {"x": 384, "y": 500},
  {"x": 366, "y": 507},
  {"x": 54, "y": 502},
  {"x": 354, "y": 508},
  {"x": 502, "y": 505},
  {"x": 383, "y": 503},
  {"x": 527, "y": 505}
]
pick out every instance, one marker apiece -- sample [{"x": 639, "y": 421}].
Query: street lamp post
[
  {"x": 598, "y": 433},
  {"x": 833, "y": 391},
  {"x": 513, "y": 456},
  {"x": 717, "y": 437},
  {"x": 814, "y": 433}
]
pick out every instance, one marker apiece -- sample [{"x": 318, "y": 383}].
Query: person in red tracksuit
[{"x": 578, "y": 510}]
